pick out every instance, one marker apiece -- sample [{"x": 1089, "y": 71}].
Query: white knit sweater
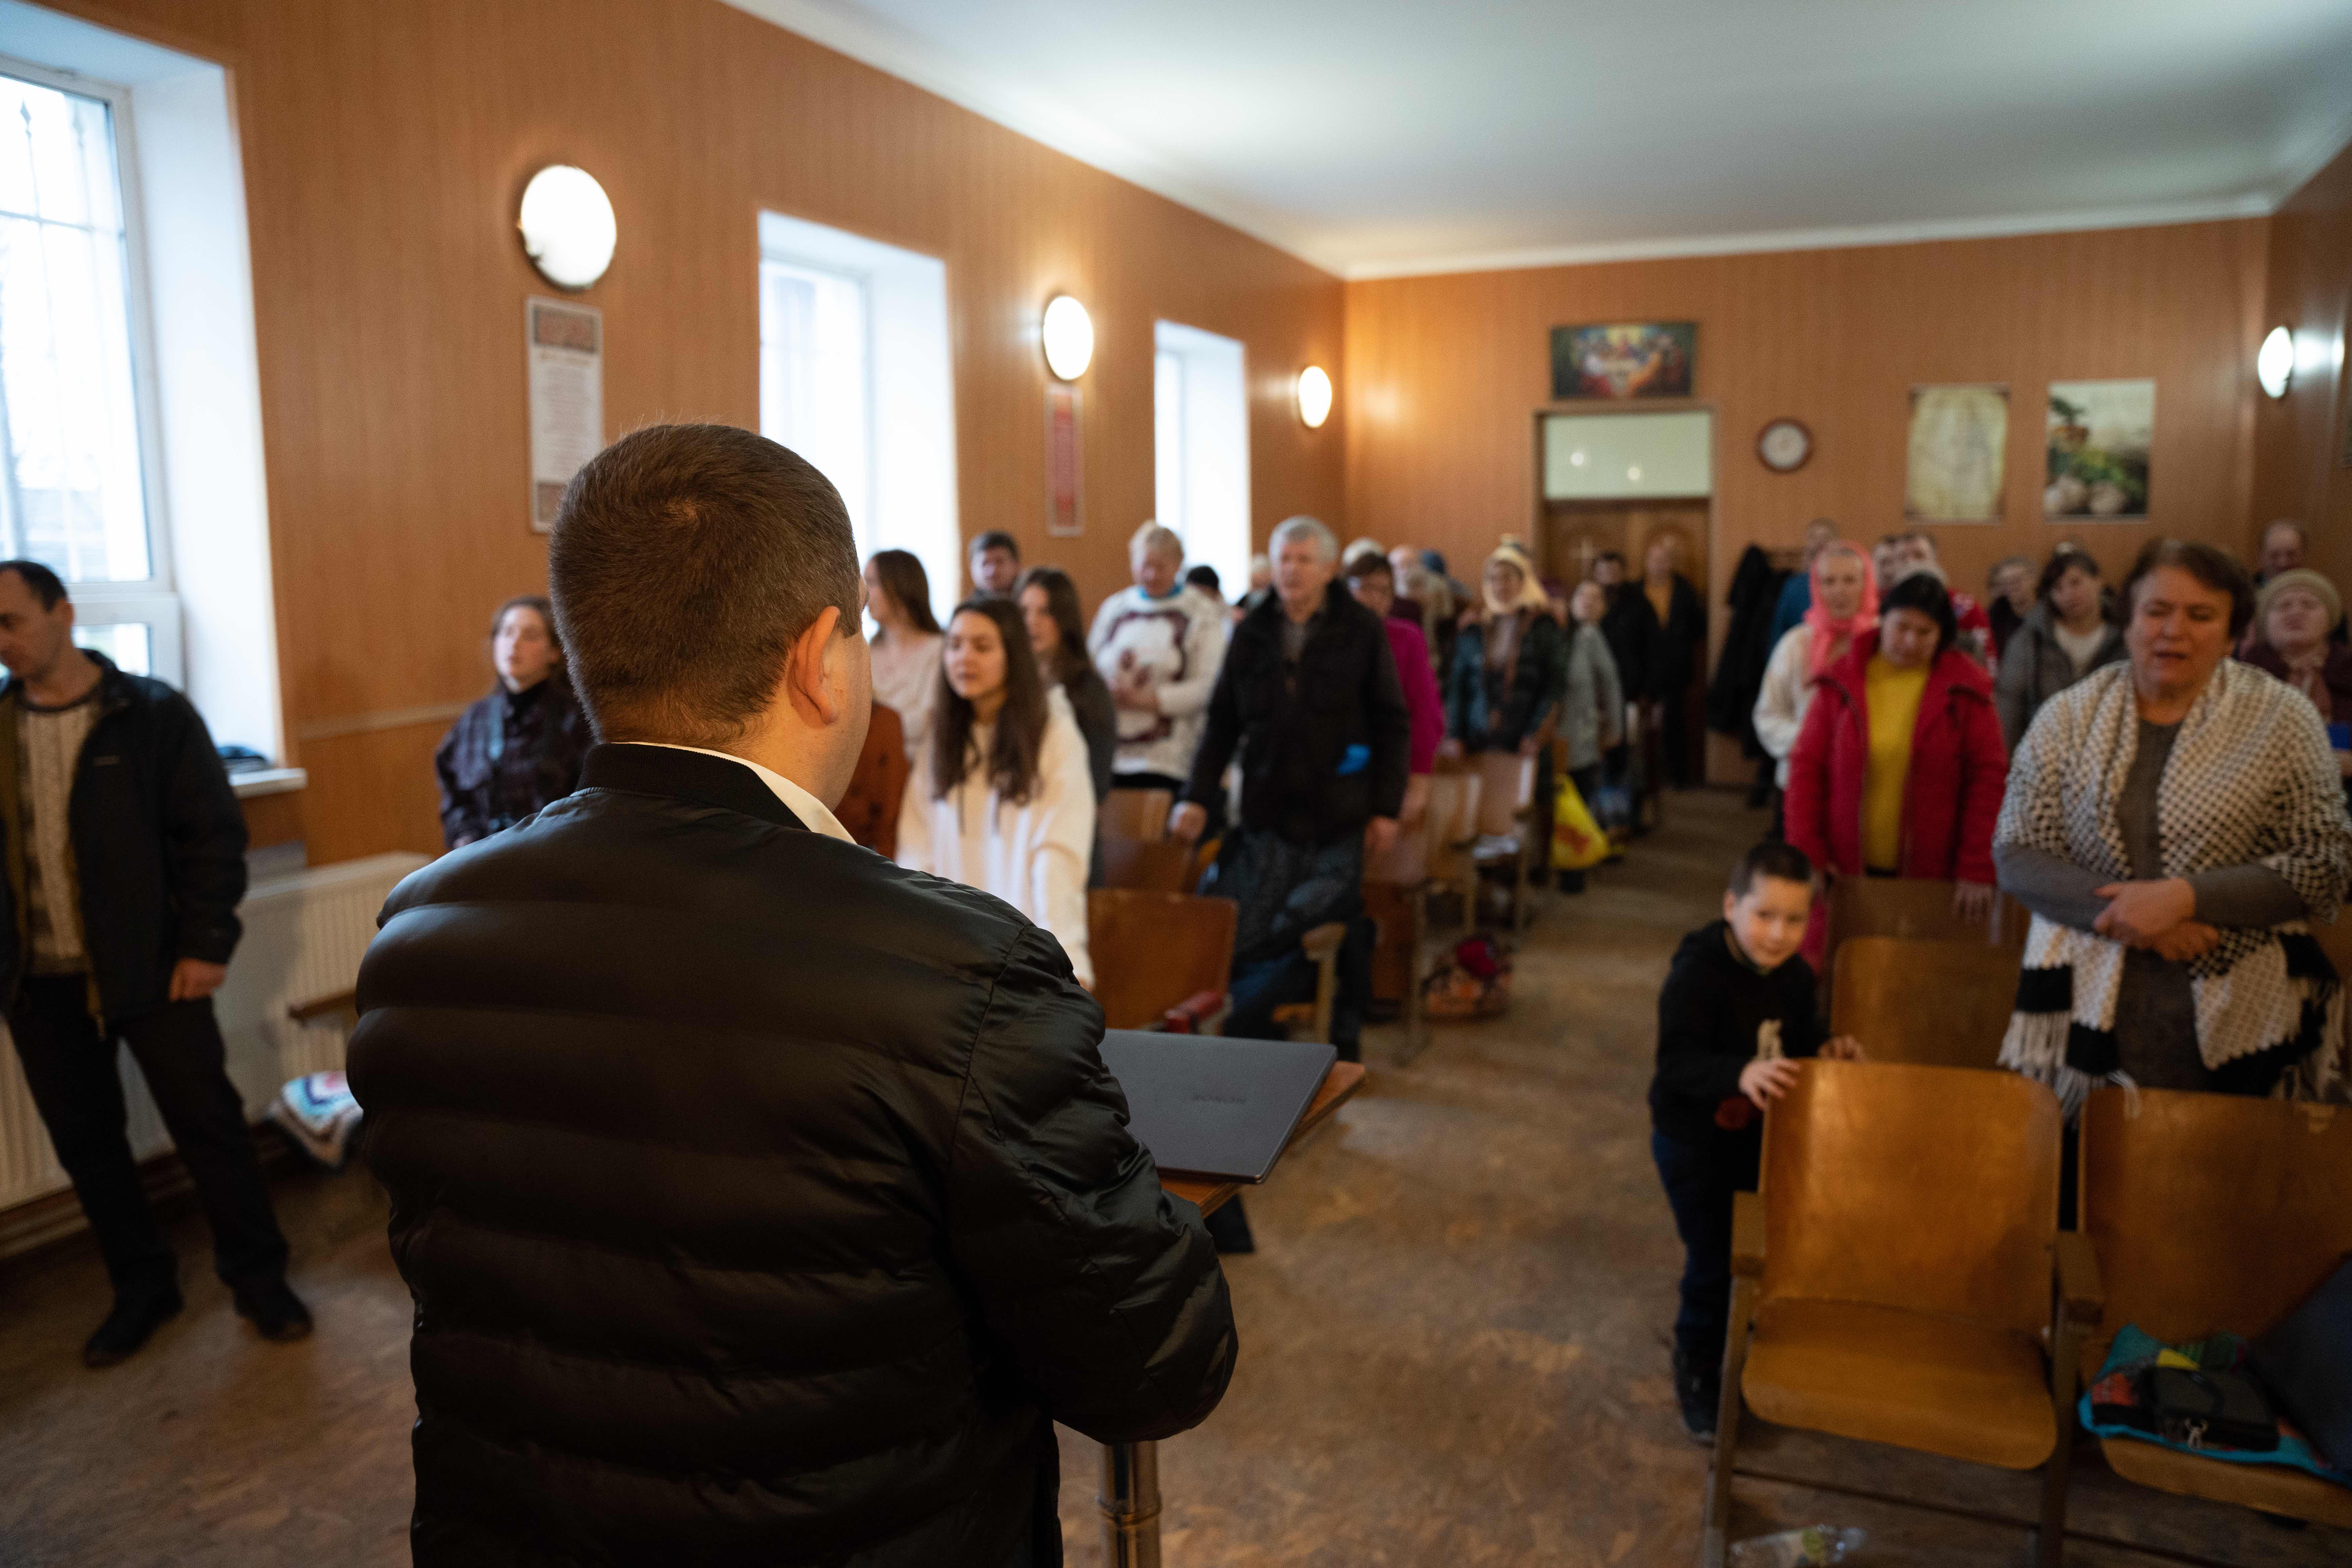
[{"x": 1181, "y": 641}]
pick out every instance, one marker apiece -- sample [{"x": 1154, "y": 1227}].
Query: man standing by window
[
  {"x": 125, "y": 860},
  {"x": 996, "y": 564}
]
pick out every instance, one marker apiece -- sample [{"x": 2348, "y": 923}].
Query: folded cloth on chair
[
  {"x": 317, "y": 1112},
  {"x": 2111, "y": 1405}
]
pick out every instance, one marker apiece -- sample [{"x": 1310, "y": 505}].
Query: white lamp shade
[
  {"x": 568, "y": 230},
  {"x": 1069, "y": 338},
  {"x": 1314, "y": 396},
  {"x": 2275, "y": 366}
]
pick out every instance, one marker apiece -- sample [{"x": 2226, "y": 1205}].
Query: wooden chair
[
  {"x": 1892, "y": 1281},
  {"x": 1507, "y": 809},
  {"x": 1398, "y": 889},
  {"x": 1140, "y": 813},
  {"x": 1146, "y": 865},
  {"x": 1158, "y": 952},
  {"x": 1928, "y": 1002},
  {"x": 2213, "y": 1214},
  {"x": 1913, "y": 908}
]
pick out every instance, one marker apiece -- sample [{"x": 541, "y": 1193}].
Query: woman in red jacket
[{"x": 1899, "y": 768}]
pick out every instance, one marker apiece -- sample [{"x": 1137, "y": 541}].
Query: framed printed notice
[
  {"x": 1064, "y": 494},
  {"x": 565, "y": 344}
]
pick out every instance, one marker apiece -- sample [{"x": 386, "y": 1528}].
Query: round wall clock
[{"x": 1784, "y": 445}]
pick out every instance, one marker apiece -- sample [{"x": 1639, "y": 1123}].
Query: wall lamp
[
  {"x": 567, "y": 223},
  {"x": 1314, "y": 396},
  {"x": 1068, "y": 336},
  {"x": 2274, "y": 366}
]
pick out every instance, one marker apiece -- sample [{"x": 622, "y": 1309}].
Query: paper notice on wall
[
  {"x": 566, "y": 345},
  {"x": 1065, "y": 462}
]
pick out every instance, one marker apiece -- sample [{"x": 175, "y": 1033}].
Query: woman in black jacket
[
  {"x": 1503, "y": 692},
  {"x": 519, "y": 748}
]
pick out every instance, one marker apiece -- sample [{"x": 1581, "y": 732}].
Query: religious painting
[
  {"x": 1960, "y": 439},
  {"x": 1623, "y": 359},
  {"x": 2098, "y": 441}
]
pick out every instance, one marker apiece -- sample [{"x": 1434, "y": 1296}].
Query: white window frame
[{"x": 153, "y": 599}]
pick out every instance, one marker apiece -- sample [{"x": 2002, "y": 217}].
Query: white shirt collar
[{"x": 803, "y": 805}]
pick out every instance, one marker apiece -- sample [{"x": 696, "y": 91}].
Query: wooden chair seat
[
  {"x": 2274, "y": 1489},
  {"x": 1887, "y": 1375},
  {"x": 1929, "y": 1002},
  {"x": 2211, "y": 1212}
]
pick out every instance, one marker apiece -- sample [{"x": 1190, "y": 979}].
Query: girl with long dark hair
[
  {"x": 1049, "y": 609},
  {"x": 1000, "y": 798},
  {"x": 906, "y": 647}
]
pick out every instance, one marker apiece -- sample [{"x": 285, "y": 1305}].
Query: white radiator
[{"x": 304, "y": 935}]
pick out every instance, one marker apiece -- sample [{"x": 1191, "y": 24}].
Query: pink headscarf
[{"x": 1828, "y": 632}]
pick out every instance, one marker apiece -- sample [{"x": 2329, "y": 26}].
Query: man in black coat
[
  {"x": 1309, "y": 695},
  {"x": 124, "y": 851},
  {"x": 764, "y": 1203}
]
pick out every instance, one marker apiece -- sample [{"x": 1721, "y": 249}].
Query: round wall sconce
[
  {"x": 567, "y": 226},
  {"x": 1314, "y": 396},
  {"x": 2275, "y": 366},
  {"x": 1069, "y": 338}
]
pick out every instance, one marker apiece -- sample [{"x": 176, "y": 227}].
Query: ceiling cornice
[
  {"x": 2256, "y": 206},
  {"x": 895, "y": 52}
]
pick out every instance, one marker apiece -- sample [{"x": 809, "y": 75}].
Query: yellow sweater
[{"x": 1893, "y": 701}]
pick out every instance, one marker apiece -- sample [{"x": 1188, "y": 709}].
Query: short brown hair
[
  {"x": 687, "y": 560},
  {"x": 2216, "y": 568}
]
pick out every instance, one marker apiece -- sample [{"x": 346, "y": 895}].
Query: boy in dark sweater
[{"x": 1737, "y": 1008}]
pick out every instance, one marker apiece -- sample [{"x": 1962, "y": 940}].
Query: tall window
[
  {"x": 1200, "y": 447},
  {"x": 814, "y": 395},
  {"x": 855, "y": 376},
  {"x": 74, "y": 491}
]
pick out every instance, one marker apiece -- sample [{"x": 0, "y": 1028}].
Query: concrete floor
[{"x": 1454, "y": 1343}]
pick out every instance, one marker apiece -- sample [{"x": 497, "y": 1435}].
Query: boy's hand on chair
[
  {"x": 1765, "y": 1081},
  {"x": 1844, "y": 1048}
]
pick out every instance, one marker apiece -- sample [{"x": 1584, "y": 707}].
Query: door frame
[{"x": 1717, "y": 617}]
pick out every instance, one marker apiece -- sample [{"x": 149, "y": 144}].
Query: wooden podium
[{"x": 1129, "y": 1499}]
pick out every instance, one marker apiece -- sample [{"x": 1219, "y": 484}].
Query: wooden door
[{"x": 1575, "y": 533}]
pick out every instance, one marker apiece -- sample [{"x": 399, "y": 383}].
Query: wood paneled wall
[
  {"x": 2299, "y": 440},
  {"x": 386, "y": 146},
  {"x": 1445, "y": 375}
]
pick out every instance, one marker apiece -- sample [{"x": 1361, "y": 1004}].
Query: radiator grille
[{"x": 304, "y": 935}]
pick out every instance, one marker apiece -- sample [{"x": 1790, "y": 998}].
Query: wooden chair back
[
  {"x": 1505, "y": 785},
  {"x": 1916, "y": 908},
  {"x": 1137, "y": 814},
  {"x": 1152, "y": 865},
  {"x": 2212, "y": 1212},
  {"x": 1930, "y": 1002},
  {"x": 1925, "y": 1189},
  {"x": 1153, "y": 951},
  {"x": 1453, "y": 824}
]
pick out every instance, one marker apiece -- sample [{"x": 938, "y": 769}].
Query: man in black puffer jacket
[{"x": 762, "y": 1202}]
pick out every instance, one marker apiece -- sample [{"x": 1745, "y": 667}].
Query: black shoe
[
  {"x": 1698, "y": 1390},
  {"x": 127, "y": 1327},
  {"x": 275, "y": 1310},
  {"x": 1571, "y": 881}
]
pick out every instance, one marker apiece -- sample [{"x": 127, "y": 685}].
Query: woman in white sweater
[
  {"x": 1012, "y": 812},
  {"x": 1845, "y": 602}
]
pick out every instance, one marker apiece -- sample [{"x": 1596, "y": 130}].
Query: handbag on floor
[{"x": 1473, "y": 980}]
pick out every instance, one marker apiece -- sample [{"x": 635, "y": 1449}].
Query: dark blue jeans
[{"x": 1699, "y": 1179}]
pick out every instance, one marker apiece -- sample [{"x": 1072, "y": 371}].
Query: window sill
[{"x": 268, "y": 780}]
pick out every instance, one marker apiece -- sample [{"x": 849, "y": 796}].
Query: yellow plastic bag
[{"x": 1576, "y": 841}]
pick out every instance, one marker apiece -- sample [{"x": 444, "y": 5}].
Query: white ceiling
[{"x": 1378, "y": 137}]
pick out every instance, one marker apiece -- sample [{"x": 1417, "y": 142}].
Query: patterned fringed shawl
[{"x": 2251, "y": 778}]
